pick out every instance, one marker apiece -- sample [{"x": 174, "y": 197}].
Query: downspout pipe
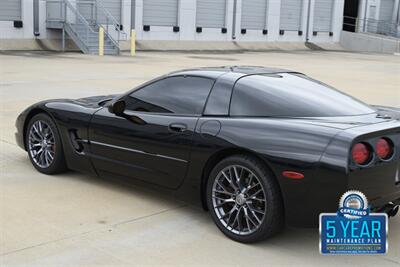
[
  {"x": 308, "y": 21},
  {"x": 365, "y": 15},
  {"x": 234, "y": 20},
  {"x": 36, "y": 31}
]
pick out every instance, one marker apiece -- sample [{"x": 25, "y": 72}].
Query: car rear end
[
  {"x": 363, "y": 156},
  {"x": 374, "y": 164}
]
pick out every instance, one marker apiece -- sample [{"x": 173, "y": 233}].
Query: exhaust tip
[
  {"x": 392, "y": 212},
  {"x": 390, "y": 209}
]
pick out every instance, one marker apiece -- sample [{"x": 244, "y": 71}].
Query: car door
[{"x": 152, "y": 140}]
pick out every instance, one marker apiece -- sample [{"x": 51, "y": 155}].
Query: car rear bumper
[
  {"x": 321, "y": 195},
  {"x": 384, "y": 200}
]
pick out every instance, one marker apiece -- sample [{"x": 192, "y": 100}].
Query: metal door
[
  {"x": 151, "y": 152},
  {"x": 291, "y": 13},
  {"x": 160, "y": 12},
  {"x": 210, "y": 13},
  {"x": 10, "y": 10},
  {"x": 323, "y": 14},
  {"x": 254, "y": 14}
]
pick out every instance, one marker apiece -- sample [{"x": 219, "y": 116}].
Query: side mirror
[{"x": 117, "y": 108}]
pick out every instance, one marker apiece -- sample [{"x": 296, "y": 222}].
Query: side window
[
  {"x": 291, "y": 95},
  {"x": 179, "y": 95}
]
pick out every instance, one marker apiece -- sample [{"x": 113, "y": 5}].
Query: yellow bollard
[
  {"x": 133, "y": 43},
  {"x": 101, "y": 41}
]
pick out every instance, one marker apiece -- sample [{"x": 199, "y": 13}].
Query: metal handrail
[
  {"x": 73, "y": 9},
  {"x": 115, "y": 24},
  {"x": 113, "y": 19},
  {"x": 112, "y": 39},
  {"x": 87, "y": 23},
  {"x": 375, "y": 26},
  {"x": 82, "y": 18},
  {"x": 79, "y": 19},
  {"x": 110, "y": 19},
  {"x": 97, "y": 6}
]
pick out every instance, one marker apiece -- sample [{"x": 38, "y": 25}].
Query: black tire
[
  {"x": 58, "y": 164},
  {"x": 273, "y": 218}
]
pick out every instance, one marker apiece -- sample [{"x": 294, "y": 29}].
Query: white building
[
  {"x": 37, "y": 23},
  {"x": 379, "y": 16}
]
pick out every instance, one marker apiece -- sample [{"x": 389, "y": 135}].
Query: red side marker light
[{"x": 293, "y": 175}]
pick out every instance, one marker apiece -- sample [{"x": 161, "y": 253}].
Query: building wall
[
  {"x": 371, "y": 9},
  {"x": 187, "y": 24},
  {"x": 7, "y": 30},
  {"x": 379, "y": 16}
]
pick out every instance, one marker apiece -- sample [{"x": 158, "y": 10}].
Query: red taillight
[
  {"x": 384, "y": 148},
  {"x": 361, "y": 153}
]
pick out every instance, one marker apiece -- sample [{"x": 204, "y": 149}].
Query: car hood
[
  {"x": 382, "y": 115},
  {"x": 94, "y": 101}
]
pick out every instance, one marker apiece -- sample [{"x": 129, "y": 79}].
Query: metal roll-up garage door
[
  {"x": 291, "y": 11},
  {"x": 210, "y": 13},
  {"x": 10, "y": 9},
  {"x": 323, "y": 14},
  {"x": 88, "y": 10},
  {"x": 254, "y": 13},
  {"x": 160, "y": 12}
]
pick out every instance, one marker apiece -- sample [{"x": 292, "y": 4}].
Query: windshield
[{"x": 291, "y": 95}]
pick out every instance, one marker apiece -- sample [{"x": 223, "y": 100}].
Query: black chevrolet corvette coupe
[{"x": 257, "y": 147}]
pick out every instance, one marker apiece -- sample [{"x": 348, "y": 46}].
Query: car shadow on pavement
[{"x": 126, "y": 186}]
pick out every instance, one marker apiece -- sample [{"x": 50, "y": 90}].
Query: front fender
[{"x": 72, "y": 118}]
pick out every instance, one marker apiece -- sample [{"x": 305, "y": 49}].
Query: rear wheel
[
  {"x": 244, "y": 199},
  {"x": 44, "y": 145}
]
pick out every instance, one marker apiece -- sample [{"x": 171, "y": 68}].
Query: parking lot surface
[{"x": 75, "y": 219}]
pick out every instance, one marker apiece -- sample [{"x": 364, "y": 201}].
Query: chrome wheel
[
  {"x": 41, "y": 144},
  {"x": 239, "y": 200}
]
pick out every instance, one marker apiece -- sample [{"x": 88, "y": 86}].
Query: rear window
[{"x": 291, "y": 95}]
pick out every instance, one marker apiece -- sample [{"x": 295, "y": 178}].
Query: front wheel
[
  {"x": 44, "y": 145},
  {"x": 244, "y": 199}
]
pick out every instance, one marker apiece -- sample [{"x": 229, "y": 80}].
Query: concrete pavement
[{"x": 75, "y": 219}]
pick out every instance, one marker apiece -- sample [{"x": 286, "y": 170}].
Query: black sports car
[{"x": 258, "y": 147}]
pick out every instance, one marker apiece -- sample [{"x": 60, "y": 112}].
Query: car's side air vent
[{"x": 76, "y": 141}]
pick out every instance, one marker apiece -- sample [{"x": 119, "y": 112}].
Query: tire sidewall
[
  {"x": 58, "y": 163},
  {"x": 267, "y": 181}
]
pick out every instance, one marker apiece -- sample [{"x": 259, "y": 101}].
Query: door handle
[{"x": 177, "y": 127}]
